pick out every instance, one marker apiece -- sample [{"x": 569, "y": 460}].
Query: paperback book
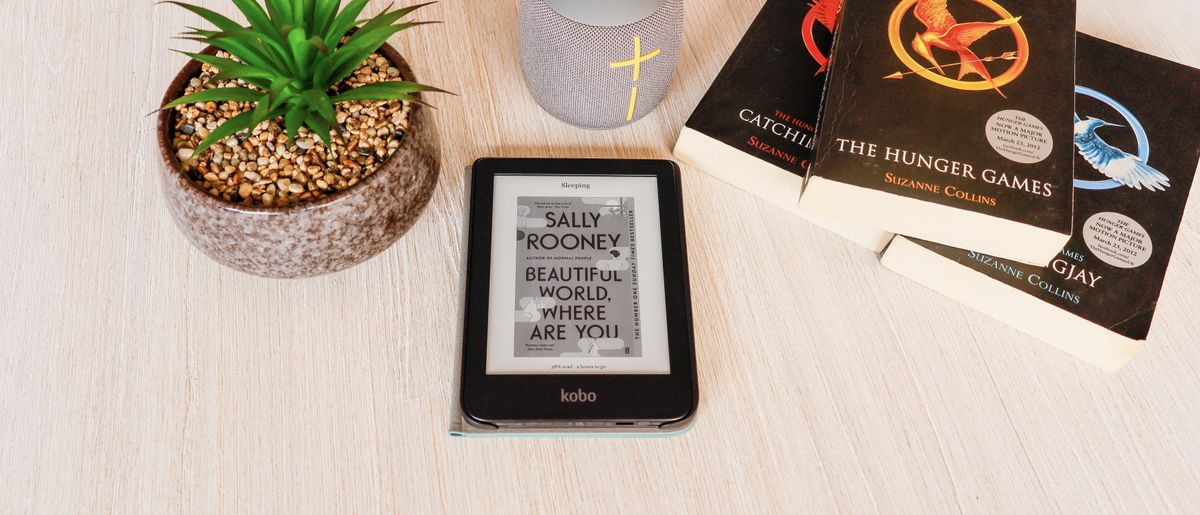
[
  {"x": 950, "y": 121},
  {"x": 755, "y": 126},
  {"x": 1137, "y": 148}
]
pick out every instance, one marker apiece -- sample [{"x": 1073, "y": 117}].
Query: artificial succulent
[{"x": 293, "y": 54}]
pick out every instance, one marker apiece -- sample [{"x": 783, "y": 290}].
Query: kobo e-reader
[{"x": 578, "y": 315}]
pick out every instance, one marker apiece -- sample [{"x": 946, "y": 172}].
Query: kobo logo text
[{"x": 576, "y": 396}]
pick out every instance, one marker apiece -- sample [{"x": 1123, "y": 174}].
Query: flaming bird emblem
[
  {"x": 826, "y": 13},
  {"x": 944, "y": 32}
]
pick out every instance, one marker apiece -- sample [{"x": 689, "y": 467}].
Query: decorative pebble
[
  {"x": 185, "y": 153},
  {"x": 245, "y": 190}
]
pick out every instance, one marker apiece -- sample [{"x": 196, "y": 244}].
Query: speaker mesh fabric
[{"x": 567, "y": 63}]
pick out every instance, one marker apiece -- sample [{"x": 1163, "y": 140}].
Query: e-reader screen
[{"x": 576, "y": 276}]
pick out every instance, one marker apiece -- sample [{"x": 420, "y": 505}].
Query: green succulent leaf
[
  {"x": 322, "y": 70},
  {"x": 388, "y": 16},
  {"x": 201, "y": 33},
  {"x": 319, "y": 102},
  {"x": 248, "y": 74},
  {"x": 392, "y": 90},
  {"x": 263, "y": 111},
  {"x": 293, "y": 120},
  {"x": 323, "y": 14},
  {"x": 302, "y": 50},
  {"x": 300, "y": 10},
  {"x": 258, "y": 18},
  {"x": 275, "y": 53},
  {"x": 231, "y": 126},
  {"x": 248, "y": 52},
  {"x": 216, "y": 95},
  {"x": 229, "y": 70},
  {"x": 281, "y": 58},
  {"x": 295, "y": 54},
  {"x": 219, "y": 63},
  {"x": 212, "y": 17},
  {"x": 280, "y": 12},
  {"x": 343, "y": 22},
  {"x": 278, "y": 93},
  {"x": 285, "y": 99},
  {"x": 278, "y": 85},
  {"x": 319, "y": 44},
  {"x": 350, "y": 56},
  {"x": 319, "y": 126}
]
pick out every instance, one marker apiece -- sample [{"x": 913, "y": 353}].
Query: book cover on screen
[
  {"x": 577, "y": 288},
  {"x": 950, "y": 120},
  {"x": 754, "y": 128},
  {"x": 1137, "y": 143}
]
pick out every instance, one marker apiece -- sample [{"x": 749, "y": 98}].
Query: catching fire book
[{"x": 755, "y": 127}]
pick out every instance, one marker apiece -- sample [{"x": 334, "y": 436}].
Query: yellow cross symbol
[{"x": 636, "y": 63}]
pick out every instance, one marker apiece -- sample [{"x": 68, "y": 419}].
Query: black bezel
[{"x": 640, "y": 399}]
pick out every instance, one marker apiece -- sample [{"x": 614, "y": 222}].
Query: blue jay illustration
[{"x": 1113, "y": 162}]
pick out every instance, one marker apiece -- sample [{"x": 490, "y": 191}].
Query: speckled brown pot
[{"x": 319, "y": 237}]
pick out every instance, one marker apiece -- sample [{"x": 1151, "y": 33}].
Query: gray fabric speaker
[{"x": 599, "y": 64}]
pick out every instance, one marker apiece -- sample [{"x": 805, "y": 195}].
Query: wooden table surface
[{"x": 136, "y": 375}]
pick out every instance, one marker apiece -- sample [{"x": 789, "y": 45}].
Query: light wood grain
[{"x": 138, "y": 376}]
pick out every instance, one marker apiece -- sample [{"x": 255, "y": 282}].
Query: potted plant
[{"x": 298, "y": 144}]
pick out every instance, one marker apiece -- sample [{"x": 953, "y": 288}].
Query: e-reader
[{"x": 578, "y": 312}]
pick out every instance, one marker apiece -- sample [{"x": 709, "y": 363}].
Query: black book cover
[
  {"x": 764, "y": 101},
  {"x": 962, "y": 103},
  {"x": 1137, "y": 146}
]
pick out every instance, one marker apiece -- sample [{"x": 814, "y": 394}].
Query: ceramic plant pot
[{"x": 322, "y": 236}]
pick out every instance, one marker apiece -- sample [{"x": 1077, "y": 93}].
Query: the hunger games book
[
  {"x": 754, "y": 127},
  {"x": 950, "y": 121},
  {"x": 1137, "y": 146}
]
